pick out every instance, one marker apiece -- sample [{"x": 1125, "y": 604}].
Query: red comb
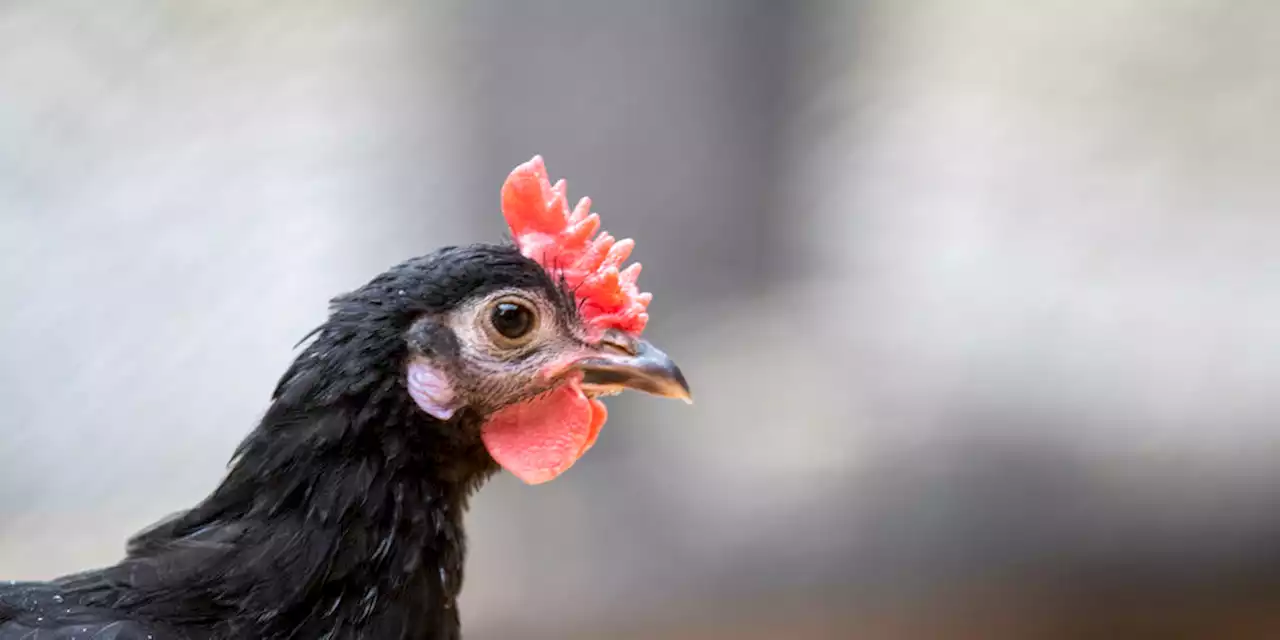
[{"x": 561, "y": 240}]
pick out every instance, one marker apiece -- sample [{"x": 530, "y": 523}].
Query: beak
[{"x": 626, "y": 362}]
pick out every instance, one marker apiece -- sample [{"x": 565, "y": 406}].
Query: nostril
[{"x": 620, "y": 342}]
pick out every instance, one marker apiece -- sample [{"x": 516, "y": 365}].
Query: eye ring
[{"x": 511, "y": 321}]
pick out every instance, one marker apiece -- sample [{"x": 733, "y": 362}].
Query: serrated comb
[{"x": 565, "y": 243}]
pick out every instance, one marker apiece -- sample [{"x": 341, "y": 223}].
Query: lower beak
[{"x": 630, "y": 363}]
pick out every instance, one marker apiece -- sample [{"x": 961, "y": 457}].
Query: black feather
[{"x": 341, "y": 515}]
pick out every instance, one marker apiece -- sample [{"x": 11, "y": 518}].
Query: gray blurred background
[{"x": 978, "y": 299}]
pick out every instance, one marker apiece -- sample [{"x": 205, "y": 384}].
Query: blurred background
[{"x": 978, "y": 299}]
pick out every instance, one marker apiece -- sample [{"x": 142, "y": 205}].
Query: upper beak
[{"x": 625, "y": 362}]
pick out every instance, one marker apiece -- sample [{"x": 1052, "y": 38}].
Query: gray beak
[{"x": 626, "y": 362}]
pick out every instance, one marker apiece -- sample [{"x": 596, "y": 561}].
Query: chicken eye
[{"x": 512, "y": 320}]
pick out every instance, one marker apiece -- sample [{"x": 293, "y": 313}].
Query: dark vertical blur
[
  {"x": 977, "y": 299},
  {"x": 667, "y": 114}
]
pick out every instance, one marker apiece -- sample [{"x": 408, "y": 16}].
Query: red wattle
[
  {"x": 539, "y": 439},
  {"x": 599, "y": 413}
]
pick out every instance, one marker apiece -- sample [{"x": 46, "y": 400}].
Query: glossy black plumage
[{"x": 341, "y": 514}]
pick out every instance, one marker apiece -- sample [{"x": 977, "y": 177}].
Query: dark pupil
[{"x": 512, "y": 320}]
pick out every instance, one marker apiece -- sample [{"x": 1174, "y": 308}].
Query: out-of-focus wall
[
  {"x": 973, "y": 296},
  {"x": 1058, "y": 234},
  {"x": 183, "y": 186}
]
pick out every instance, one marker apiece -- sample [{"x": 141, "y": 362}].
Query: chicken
[{"x": 341, "y": 515}]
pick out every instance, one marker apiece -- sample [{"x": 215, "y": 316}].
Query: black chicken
[{"x": 342, "y": 513}]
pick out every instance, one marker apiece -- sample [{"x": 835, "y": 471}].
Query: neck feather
[{"x": 339, "y": 521}]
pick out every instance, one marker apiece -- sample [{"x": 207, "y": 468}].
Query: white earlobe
[{"x": 430, "y": 389}]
